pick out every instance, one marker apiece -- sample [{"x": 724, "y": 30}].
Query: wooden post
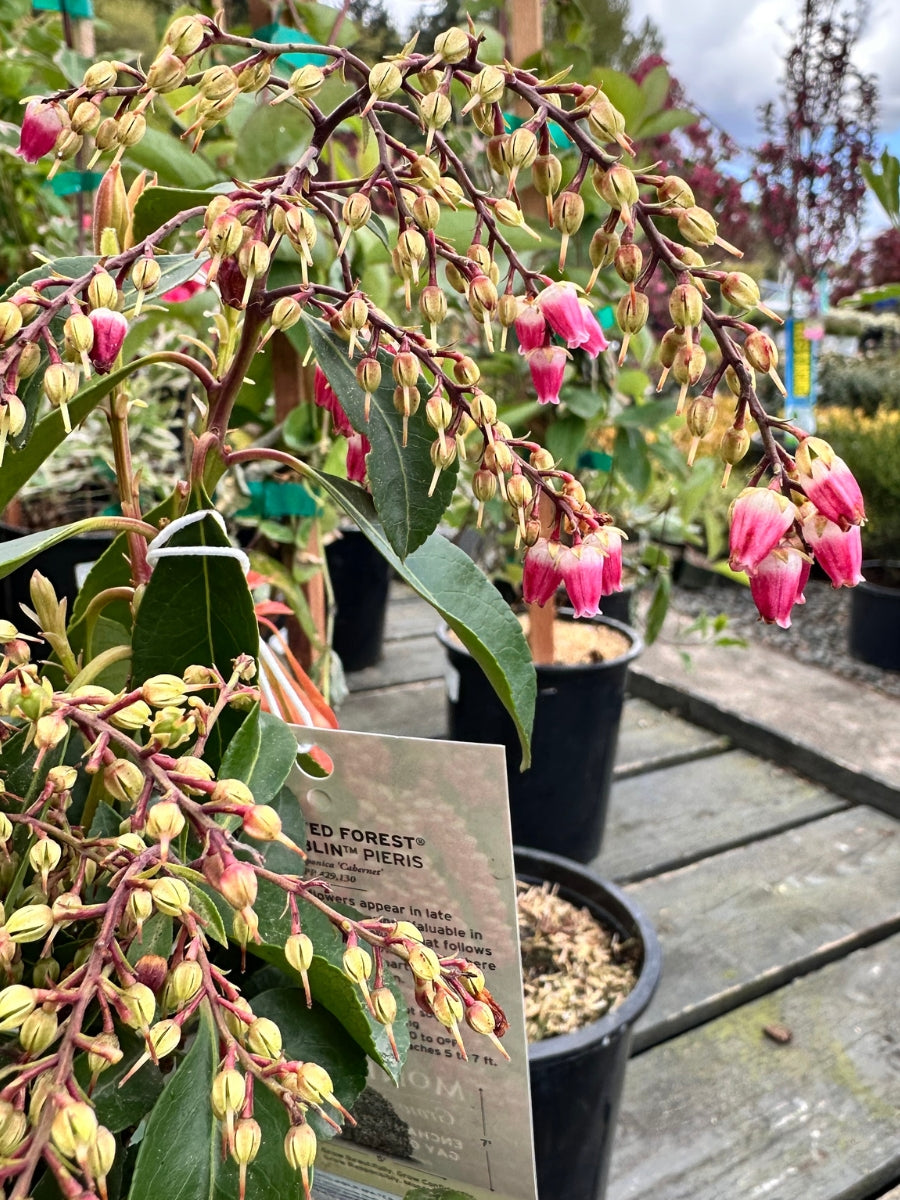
[{"x": 526, "y": 29}]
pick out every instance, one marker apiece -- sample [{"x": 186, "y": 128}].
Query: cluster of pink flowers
[
  {"x": 590, "y": 568},
  {"x": 775, "y": 540},
  {"x": 358, "y": 445},
  {"x": 558, "y": 310}
]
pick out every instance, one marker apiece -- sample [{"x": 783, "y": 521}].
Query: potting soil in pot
[
  {"x": 580, "y": 642},
  {"x": 574, "y": 969}
]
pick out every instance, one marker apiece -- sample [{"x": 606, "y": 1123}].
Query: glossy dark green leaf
[
  {"x": 156, "y": 205},
  {"x": 197, "y": 609},
  {"x": 121, "y": 1107},
  {"x": 261, "y": 754},
  {"x": 565, "y": 440},
  {"x": 646, "y": 416},
  {"x": 172, "y": 161},
  {"x": 455, "y": 587},
  {"x": 19, "y": 551},
  {"x": 180, "y": 1152},
  {"x": 208, "y": 913},
  {"x": 630, "y": 457},
  {"x": 585, "y": 402},
  {"x": 20, "y": 465},
  {"x": 106, "y": 822},
  {"x": 399, "y": 475},
  {"x": 157, "y": 934},
  {"x": 314, "y": 1035}
]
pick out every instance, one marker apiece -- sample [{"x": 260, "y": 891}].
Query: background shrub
[{"x": 870, "y": 444}]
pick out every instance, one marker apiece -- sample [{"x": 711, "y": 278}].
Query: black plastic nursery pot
[
  {"x": 359, "y": 579},
  {"x": 559, "y": 804},
  {"x": 577, "y": 1078},
  {"x": 64, "y": 564},
  {"x": 875, "y": 615}
]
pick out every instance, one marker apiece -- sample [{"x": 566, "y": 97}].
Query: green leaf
[
  {"x": 314, "y": 1035},
  {"x": 106, "y": 821},
  {"x": 448, "y": 579},
  {"x": 121, "y": 1107},
  {"x": 197, "y": 609},
  {"x": 172, "y": 161},
  {"x": 261, "y": 754},
  {"x": 400, "y": 476},
  {"x": 630, "y": 458},
  {"x": 180, "y": 1153},
  {"x": 585, "y": 402},
  {"x": 269, "y": 136},
  {"x": 20, "y": 466},
  {"x": 156, "y": 205},
  {"x": 565, "y": 438},
  {"x": 646, "y": 416},
  {"x": 18, "y": 551},
  {"x": 208, "y": 913},
  {"x": 156, "y": 937},
  {"x": 655, "y": 86},
  {"x": 659, "y": 606},
  {"x": 666, "y": 121}
]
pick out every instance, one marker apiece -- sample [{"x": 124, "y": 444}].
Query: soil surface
[
  {"x": 818, "y": 635},
  {"x": 578, "y": 643},
  {"x": 575, "y": 970}
]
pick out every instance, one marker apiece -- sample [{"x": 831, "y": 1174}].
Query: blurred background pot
[{"x": 559, "y": 804}]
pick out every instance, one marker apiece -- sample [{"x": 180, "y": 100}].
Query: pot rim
[
  {"x": 881, "y": 589},
  {"x": 568, "y": 874},
  {"x": 452, "y": 646}
]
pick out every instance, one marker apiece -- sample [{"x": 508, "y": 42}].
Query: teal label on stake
[
  {"x": 69, "y": 183},
  {"x": 72, "y": 8},
  {"x": 559, "y": 139},
  {"x": 594, "y": 460},
  {"x": 270, "y": 499},
  {"x": 279, "y": 35}
]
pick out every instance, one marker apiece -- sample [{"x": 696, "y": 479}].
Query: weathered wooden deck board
[
  {"x": 409, "y": 660},
  {"x": 723, "y": 1111},
  {"x": 650, "y": 738},
  {"x": 745, "y": 922},
  {"x": 666, "y": 819},
  {"x": 413, "y": 710},
  {"x": 408, "y": 615}
]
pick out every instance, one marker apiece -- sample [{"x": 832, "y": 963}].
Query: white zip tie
[{"x": 158, "y": 549}]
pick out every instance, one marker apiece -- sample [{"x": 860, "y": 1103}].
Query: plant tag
[{"x": 416, "y": 830}]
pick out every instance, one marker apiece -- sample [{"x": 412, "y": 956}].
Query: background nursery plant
[{"x": 150, "y": 856}]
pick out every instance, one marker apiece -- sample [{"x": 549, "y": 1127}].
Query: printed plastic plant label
[{"x": 419, "y": 831}]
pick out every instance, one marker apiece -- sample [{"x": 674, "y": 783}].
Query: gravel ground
[{"x": 817, "y": 636}]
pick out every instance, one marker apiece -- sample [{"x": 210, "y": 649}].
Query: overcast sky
[{"x": 729, "y": 56}]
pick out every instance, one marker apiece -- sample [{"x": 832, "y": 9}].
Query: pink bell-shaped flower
[
  {"x": 110, "y": 328},
  {"x": 41, "y": 126},
  {"x": 581, "y": 567},
  {"x": 531, "y": 327},
  {"x": 838, "y": 551},
  {"x": 548, "y": 367},
  {"x": 325, "y": 397},
  {"x": 358, "y": 446},
  {"x": 571, "y": 319},
  {"x": 760, "y": 518},
  {"x": 611, "y": 538},
  {"x": 540, "y": 573},
  {"x": 829, "y": 483},
  {"x": 778, "y": 583}
]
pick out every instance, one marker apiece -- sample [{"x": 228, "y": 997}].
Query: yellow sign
[{"x": 802, "y": 357}]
